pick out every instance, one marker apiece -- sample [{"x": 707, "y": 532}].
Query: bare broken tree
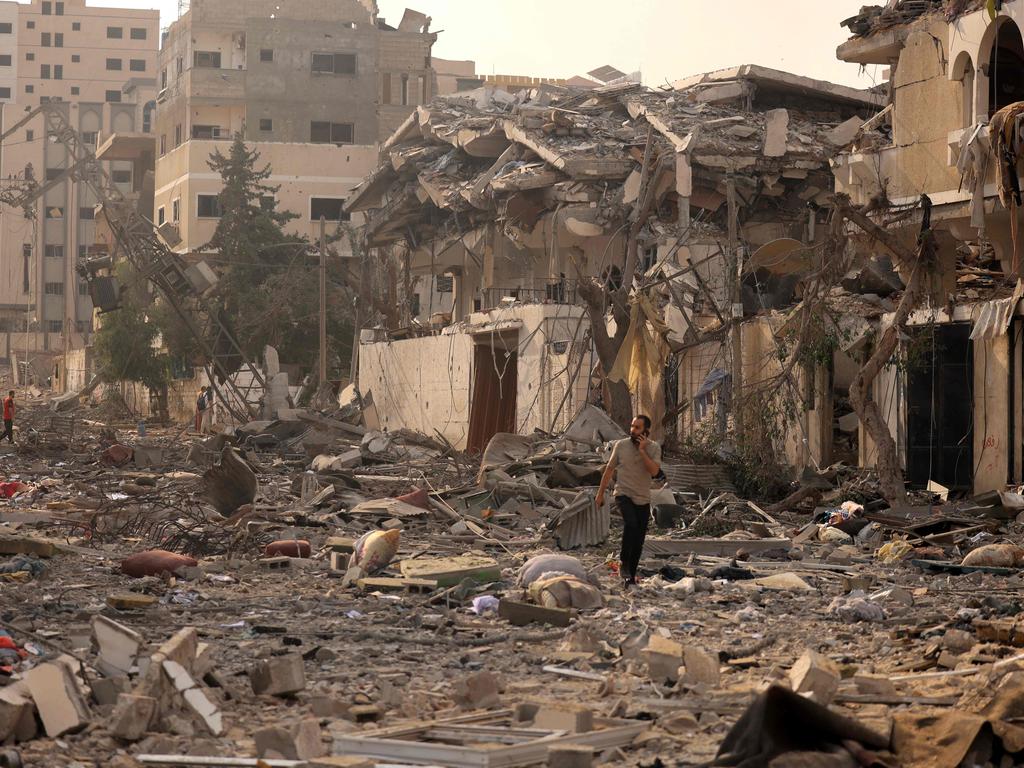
[{"x": 917, "y": 264}]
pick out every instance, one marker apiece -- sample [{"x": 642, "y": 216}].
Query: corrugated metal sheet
[
  {"x": 995, "y": 316},
  {"x": 698, "y": 477},
  {"x": 582, "y": 524}
]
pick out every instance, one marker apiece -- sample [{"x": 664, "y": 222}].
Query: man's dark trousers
[
  {"x": 8, "y": 430},
  {"x": 635, "y": 518}
]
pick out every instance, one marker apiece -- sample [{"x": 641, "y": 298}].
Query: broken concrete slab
[
  {"x": 776, "y": 132},
  {"x": 17, "y": 713},
  {"x": 132, "y": 716},
  {"x": 480, "y": 690},
  {"x": 118, "y": 646},
  {"x": 664, "y": 656},
  {"x": 520, "y": 614},
  {"x": 701, "y": 667},
  {"x": 300, "y": 741},
  {"x": 60, "y": 704}
]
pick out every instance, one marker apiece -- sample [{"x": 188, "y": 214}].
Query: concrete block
[
  {"x": 564, "y": 716},
  {"x": 278, "y": 676},
  {"x": 478, "y": 691},
  {"x": 874, "y": 685},
  {"x": 23, "y": 545},
  {"x": 340, "y": 561},
  {"x": 570, "y": 756},
  {"x": 130, "y": 601},
  {"x": 105, "y": 690},
  {"x": 815, "y": 675},
  {"x": 132, "y": 716},
  {"x": 58, "y": 700},
  {"x": 701, "y": 667},
  {"x": 300, "y": 741},
  {"x": 521, "y": 614},
  {"x": 663, "y": 657},
  {"x": 844, "y": 133},
  {"x": 118, "y": 646}
]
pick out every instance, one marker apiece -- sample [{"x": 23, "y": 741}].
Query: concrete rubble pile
[{"x": 377, "y": 597}]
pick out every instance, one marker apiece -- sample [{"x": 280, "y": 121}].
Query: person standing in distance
[
  {"x": 8, "y": 417},
  {"x": 635, "y": 461}
]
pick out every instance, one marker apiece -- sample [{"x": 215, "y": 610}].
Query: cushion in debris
[
  {"x": 116, "y": 455},
  {"x": 287, "y": 548},
  {"x": 417, "y": 497},
  {"x": 155, "y": 562},
  {"x": 375, "y": 550},
  {"x": 536, "y": 567}
]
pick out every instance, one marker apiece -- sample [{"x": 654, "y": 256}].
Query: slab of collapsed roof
[
  {"x": 486, "y": 155},
  {"x": 879, "y": 33}
]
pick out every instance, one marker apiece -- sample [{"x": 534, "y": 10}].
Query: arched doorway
[{"x": 1006, "y": 68}]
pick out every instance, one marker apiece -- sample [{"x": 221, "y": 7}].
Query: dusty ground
[{"x": 410, "y": 654}]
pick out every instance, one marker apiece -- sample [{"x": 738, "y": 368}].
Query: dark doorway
[
  {"x": 493, "y": 405},
  {"x": 940, "y": 404}
]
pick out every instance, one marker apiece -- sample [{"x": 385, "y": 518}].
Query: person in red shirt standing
[{"x": 8, "y": 417}]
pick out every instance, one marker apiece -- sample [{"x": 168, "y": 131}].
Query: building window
[
  {"x": 177, "y": 135},
  {"x": 138, "y": 33},
  {"x": 6, "y": 28},
  {"x": 75, "y": 90},
  {"x": 137, "y": 65},
  {"x": 30, "y": 56},
  {"x": 161, "y": 215},
  {"x": 181, "y": 65},
  {"x": 163, "y": 144},
  {"x": 58, "y": 40},
  {"x": 176, "y": 210},
  {"x": 83, "y": 290},
  {"x": 115, "y": 33},
  {"x": 5, "y": 93},
  {"x": 328, "y": 208},
  {"x": 332, "y": 133},
  {"x": 26, "y": 259},
  {"x": 90, "y": 138},
  {"x": 60, "y": 9},
  {"x": 113, "y": 97},
  {"x": 121, "y": 177},
  {"x": 208, "y": 132},
  {"x": 268, "y": 202},
  {"x": 83, "y": 251},
  {"x": 30, "y": 25},
  {"x": 87, "y": 213},
  {"x": 5, "y": 60},
  {"x": 54, "y": 289},
  {"x": 53, "y": 174},
  {"x": 266, "y": 54},
  {"x": 58, "y": 71},
  {"x": 45, "y": 39},
  {"x": 76, "y": 26},
  {"x": 208, "y": 207},
  {"x": 114, "y": 64},
  {"x": 47, "y": 8},
  {"x": 266, "y": 125},
  {"x": 30, "y": 135},
  {"x": 75, "y": 58},
  {"x": 206, "y": 59},
  {"x": 30, "y": 88},
  {"x": 163, "y": 79},
  {"x": 54, "y": 251},
  {"x": 334, "y": 63}
]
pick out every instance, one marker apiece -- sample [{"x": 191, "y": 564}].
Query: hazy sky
[{"x": 665, "y": 39}]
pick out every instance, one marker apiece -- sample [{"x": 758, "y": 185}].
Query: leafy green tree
[
  {"x": 125, "y": 342},
  {"x": 269, "y": 286}
]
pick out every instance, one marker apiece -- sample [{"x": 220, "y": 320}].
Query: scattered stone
[
  {"x": 57, "y": 698},
  {"x": 278, "y": 676},
  {"x": 300, "y": 741},
  {"x": 480, "y": 690},
  {"x": 132, "y": 716},
  {"x": 816, "y": 675}
]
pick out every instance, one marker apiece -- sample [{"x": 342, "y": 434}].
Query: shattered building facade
[
  {"x": 500, "y": 214},
  {"x": 956, "y": 415}
]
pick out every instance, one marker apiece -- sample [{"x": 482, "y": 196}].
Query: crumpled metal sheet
[{"x": 995, "y": 316}]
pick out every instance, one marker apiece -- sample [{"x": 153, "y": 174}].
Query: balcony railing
[{"x": 546, "y": 292}]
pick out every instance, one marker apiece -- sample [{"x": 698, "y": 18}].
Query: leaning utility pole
[{"x": 323, "y": 301}]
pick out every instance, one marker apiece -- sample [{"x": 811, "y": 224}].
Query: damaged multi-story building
[
  {"x": 511, "y": 223},
  {"x": 951, "y": 132}
]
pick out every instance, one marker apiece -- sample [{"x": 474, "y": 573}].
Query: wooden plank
[
  {"x": 871, "y": 698},
  {"x": 716, "y": 547},
  {"x": 521, "y": 614},
  {"x": 448, "y": 571}
]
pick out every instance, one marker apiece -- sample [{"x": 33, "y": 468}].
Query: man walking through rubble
[
  {"x": 8, "y": 417},
  {"x": 635, "y": 461}
]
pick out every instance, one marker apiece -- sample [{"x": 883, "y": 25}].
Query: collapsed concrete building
[{"x": 507, "y": 221}]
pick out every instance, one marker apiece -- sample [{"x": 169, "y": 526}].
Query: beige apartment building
[
  {"x": 312, "y": 86},
  {"x": 100, "y": 64}
]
